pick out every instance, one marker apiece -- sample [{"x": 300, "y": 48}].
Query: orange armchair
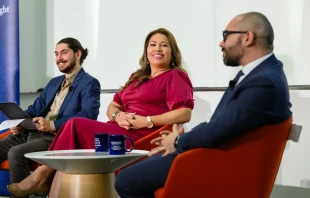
[
  {"x": 4, "y": 171},
  {"x": 4, "y": 134},
  {"x": 5, "y": 163},
  {"x": 144, "y": 143},
  {"x": 243, "y": 167}
]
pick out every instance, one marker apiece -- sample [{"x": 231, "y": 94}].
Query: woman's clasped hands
[{"x": 130, "y": 121}]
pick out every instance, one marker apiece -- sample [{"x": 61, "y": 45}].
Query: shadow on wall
[
  {"x": 288, "y": 66},
  {"x": 293, "y": 157},
  {"x": 289, "y": 192},
  {"x": 200, "y": 113}
]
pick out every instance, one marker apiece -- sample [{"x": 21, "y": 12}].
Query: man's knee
[
  {"x": 15, "y": 153},
  {"x": 75, "y": 120},
  {"x": 121, "y": 181}
]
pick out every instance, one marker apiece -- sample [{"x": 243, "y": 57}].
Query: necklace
[{"x": 164, "y": 69}]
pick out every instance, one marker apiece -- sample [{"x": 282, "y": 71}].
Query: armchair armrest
[
  {"x": 188, "y": 165},
  {"x": 144, "y": 143},
  {"x": 3, "y": 135}
]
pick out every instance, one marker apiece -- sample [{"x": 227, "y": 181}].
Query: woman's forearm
[
  {"x": 177, "y": 116},
  {"x": 112, "y": 108}
]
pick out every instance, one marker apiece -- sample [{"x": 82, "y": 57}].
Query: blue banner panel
[{"x": 9, "y": 52}]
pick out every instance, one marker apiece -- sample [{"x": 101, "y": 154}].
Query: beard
[
  {"x": 233, "y": 54},
  {"x": 70, "y": 67}
]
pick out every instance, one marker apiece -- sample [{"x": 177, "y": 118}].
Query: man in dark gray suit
[
  {"x": 74, "y": 94},
  {"x": 257, "y": 96}
]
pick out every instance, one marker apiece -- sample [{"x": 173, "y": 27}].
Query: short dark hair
[
  {"x": 260, "y": 25},
  {"x": 75, "y": 45}
]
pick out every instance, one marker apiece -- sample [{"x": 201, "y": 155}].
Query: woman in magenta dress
[
  {"x": 166, "y": 98},
  {"x": 159, "y": 93}
]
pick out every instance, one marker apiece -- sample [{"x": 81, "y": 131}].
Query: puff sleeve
[{"x": 179, "y": 91}]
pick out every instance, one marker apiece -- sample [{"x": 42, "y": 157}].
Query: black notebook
[{"x": 17, "y": 117}]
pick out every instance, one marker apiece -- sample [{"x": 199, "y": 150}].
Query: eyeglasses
[{"x": 227, "y": 32}]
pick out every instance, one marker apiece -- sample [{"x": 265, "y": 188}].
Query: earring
[{"x": 147, "y": 62}]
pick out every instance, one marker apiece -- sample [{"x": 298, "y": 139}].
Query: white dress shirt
[{"x": 249, "y": 67}]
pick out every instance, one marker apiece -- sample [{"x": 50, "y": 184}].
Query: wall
[
  {"x": 43, "y": 23},
  {"x": 114, "y": 32},
  {"x": 33, "y": 38},
  {"x": 293, "y": 179}
]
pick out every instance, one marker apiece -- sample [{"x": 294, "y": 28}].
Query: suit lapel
[
  {"x": 51, "y": 95},
  {"x": 71, "y": 92},
  {"x": 269, "y": 61},
  {"x": 229, "y": 93}
]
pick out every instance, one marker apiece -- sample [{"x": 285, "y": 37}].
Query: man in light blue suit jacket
[
  {"x": 74, "y": 94},
  {"x": 258, "y": 96}
]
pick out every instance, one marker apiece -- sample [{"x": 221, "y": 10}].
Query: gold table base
[{"x": 88, "y": 185}]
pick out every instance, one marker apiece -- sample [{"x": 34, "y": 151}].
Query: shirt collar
[
  {"x": 72, "y": 76},
  {"x": 252, "y": 65}
]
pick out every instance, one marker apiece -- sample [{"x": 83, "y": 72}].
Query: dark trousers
[
  {"x": 142, "y": 179},
  {"x": 14, "y": 147}
]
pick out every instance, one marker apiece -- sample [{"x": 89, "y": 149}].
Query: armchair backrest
[{"x": 243, "y": 167}]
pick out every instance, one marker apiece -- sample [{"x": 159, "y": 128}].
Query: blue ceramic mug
[
  {"x": 102, "y": 142},
  {"x": 118, "y": 144}
]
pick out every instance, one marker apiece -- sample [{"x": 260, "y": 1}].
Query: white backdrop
[{"x": 114, "y": 32}]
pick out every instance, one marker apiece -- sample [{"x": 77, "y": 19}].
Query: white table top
[{"x": 85, "y": 161}]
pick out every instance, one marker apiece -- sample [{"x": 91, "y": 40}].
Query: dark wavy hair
[
  {"x": 75, "y": 45},
  {"x": 143, "y": 74}
]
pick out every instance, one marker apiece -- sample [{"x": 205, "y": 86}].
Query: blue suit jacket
[
  {"x": 261, "y": 98},
  {"x": 82, "y": 100}
]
